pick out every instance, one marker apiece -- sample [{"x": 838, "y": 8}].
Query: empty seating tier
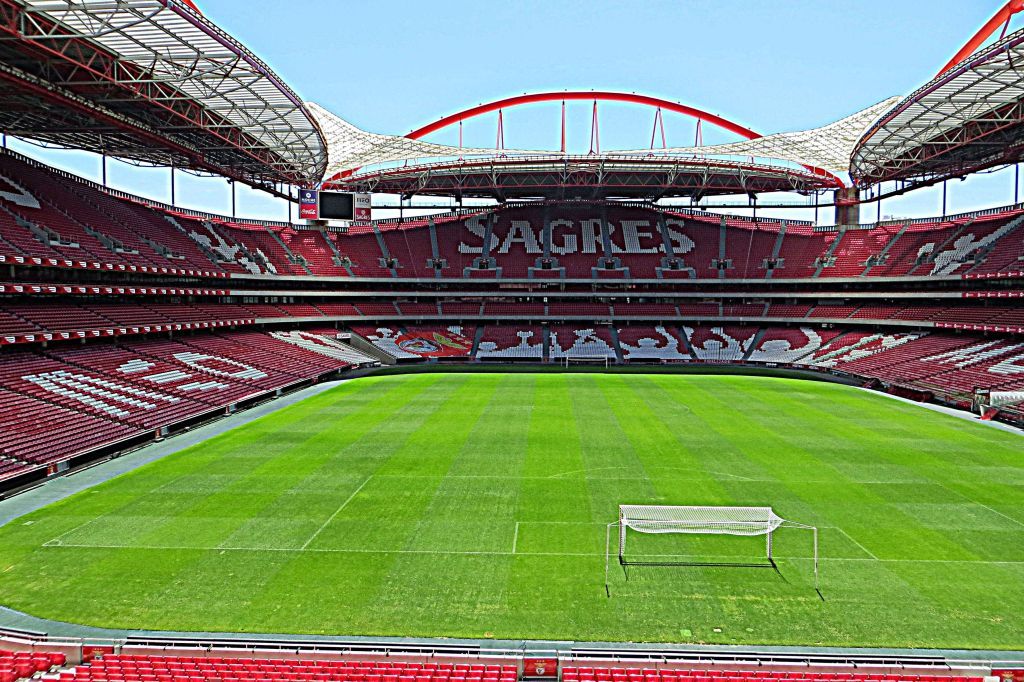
[
  {"x": 579, "y": 674},
  {"x": 73, "y": 223},
  {"x": 103, "y": 392},
  {"x": 128, "y": 668}
]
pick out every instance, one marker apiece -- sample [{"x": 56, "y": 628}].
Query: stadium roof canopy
[
  {"x": 599, "y": 176},
  {"x": 968, "y": 118},
  {"x": 828, "y": 147},
  {"x": 803, "y": 161},
  {"x": 350, "y": 148},
  {"x": 155, "y": 82},
  {"x": 151, "y": 81}
]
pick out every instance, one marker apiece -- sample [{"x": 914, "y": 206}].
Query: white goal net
[
  {"x": 742, "y": 521},
  {"x": 712, "y": 520},
  {"x": 989, "y": 403},
  {"x": 585, "y": 360},
  {"x": 1001, "y": 398},
  {"x": 988, "y": 398}
]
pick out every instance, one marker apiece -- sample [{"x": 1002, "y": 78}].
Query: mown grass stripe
[{"x": 413, "y": 488}]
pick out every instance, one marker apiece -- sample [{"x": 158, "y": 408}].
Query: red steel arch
[
  {"x": 1001, "y": 17},
  {"x": 577, "y": 95},
  {"x": 603, "y": 96},
  {"x": 595, "y": 96}
]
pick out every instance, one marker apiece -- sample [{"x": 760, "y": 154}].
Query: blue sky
[{"x": 772, "y": 66}]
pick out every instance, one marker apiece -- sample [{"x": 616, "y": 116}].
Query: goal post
[
  {"x": 704, "y": 520},
  {"x": 585, "y": 360},
  {"x": 987, "y": 402}
]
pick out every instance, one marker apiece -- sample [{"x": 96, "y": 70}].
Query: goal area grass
[{"x": 476, "y": 505}]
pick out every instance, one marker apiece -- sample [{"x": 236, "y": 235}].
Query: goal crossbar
[
  {"x": 596, "y": 359},
  {"x": 707, "y": 520}
]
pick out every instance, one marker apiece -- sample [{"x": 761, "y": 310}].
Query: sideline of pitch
[{"x": 951, "y": 411}]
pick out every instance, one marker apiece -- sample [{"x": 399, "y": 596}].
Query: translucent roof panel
[
  {"x": 828, "y": 148},
  {"x": 966, "y": 119},
  {"x": 350, "y": 148}
]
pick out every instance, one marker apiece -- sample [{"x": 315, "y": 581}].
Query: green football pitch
[{"x": 475, "y": 505}]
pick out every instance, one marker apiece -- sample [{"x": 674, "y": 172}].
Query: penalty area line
[
  {"x": 334, "y": 515},
  {"x": 59, "y": 539},
  {"x": 498, "y": 553},
  {"x": 854, "y": 541}
]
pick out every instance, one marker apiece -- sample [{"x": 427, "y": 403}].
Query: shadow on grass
[{"x": 663, "y": 563}]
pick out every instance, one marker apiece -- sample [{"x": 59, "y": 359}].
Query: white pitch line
[
  {"x": 693, "y": 470},
  {"x": 854, "y": 541},
  {"x": 445, "y": 552},
  {"x": 994, "y": 511},
  {"x": 980, "y": 504},
  {"x": 57, "y": 540},
  {"x": 332, "y": 516},
  {"x": 602, "y": 524},
  {"x": 515, "y": 538},
  {"x": 583, "y": 471}
]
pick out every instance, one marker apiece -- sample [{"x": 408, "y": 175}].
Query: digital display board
[{"x": 337, "y": 206}]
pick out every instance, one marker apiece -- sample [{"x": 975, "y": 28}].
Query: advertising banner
[
  {"x": 308, "y": 206},
  {"x": 361, "y": 208},
  {"x": 434, "y": 343}
]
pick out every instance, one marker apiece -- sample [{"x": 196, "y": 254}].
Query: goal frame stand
[
  {"x": 744, "y": 521},
  {"x": 987, "y": 403},
  {"x": 585, "y": 359}
]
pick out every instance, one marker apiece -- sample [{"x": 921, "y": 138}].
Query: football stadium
[{"x": 703, "y": 407}]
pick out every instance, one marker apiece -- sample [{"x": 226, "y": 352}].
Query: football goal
[
  {"x": 585, "y": 360},
  {"x": 660, "y": 520},
  {"x": 988, "y": 402}
]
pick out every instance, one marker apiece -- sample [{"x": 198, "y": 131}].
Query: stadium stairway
[
  {"x": 828, "y": 258},
  {"x": 883, "y": 255},
  {"x": 754, "y": 343}
]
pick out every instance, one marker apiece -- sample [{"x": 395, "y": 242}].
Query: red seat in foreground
[
  {"x": 131, "y": 668},
  {"x": 18, "y": 664}
]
